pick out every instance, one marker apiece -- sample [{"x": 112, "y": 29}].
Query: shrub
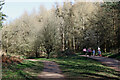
[
  {"x": 11, "y": 59},
  {"x": 67, "y": 52}
]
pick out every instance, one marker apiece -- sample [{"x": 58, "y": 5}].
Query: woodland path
[
  {"x": 51, "y": 70},
  {"x": 112, "y": 63}
]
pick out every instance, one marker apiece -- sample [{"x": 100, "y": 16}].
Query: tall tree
[{"x": 50, "y": 32}]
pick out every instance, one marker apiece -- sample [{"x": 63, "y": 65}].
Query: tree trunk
[
  {"x": 118, "y": 36},
  {"x": 69, "y": 44},
  {"x": 74, "y": 43},
  {"x": 118, "y": 39},
  {"x": 48, "y": 55},
  {"x": 36, "y": 53},
  {"x": 105, "y": 47},
  {"x": 63, "y": 42}
]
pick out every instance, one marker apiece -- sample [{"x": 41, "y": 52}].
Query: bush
[
  {"x": 53, "y": 54},
  {"x": 116, "y": 56},
  {"x": 107, "y": 54},
  {"x": 11, "y": 59},
  {"x": 67, "y": 52}
]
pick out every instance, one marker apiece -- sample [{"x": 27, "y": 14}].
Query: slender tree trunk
[
  {"x": 118, "y": 37},
  {"x": 36, "y": 52},
  {"x": 114, "y": 25},
  {"x": 69, "y": 44},
  {"x": 63, "y": 42},
  {"x": 74, "y": 43},
  {"x": 48, "y": 55},
  {"x": 105, "y": 47},
  {"x": 7, "y": 47}
]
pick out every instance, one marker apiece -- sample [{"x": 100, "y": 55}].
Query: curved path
[{"x": 112, "y": 63}]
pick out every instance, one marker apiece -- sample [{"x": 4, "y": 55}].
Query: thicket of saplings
[{"x": 63, "y": 30}]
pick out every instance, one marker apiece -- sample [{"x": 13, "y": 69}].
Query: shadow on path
[
  {"x": 51, "y": 71},
  {"x": 112, "y": 63}
]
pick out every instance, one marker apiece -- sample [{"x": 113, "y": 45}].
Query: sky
[{"x": 15, "y": 8}]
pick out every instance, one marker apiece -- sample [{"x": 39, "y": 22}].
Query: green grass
[
  {"x": 106, "y": 54},
  {"x": 111, "y": 55},
  {"x": 115, "y": 56},
  {"x": 27, "y": 70},
  {"x": 82, "y": 67}
]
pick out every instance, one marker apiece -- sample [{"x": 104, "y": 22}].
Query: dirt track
[
  {"x": 51, "y": 70},
  {"x": 112, "y": 63}
]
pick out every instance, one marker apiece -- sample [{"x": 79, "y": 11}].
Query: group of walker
[{"x": 91, "y": 52}]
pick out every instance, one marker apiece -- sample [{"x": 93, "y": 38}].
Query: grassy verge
[
  {"x": 27, "y": 70},
  {"x": 111, "y": 55},
  {"x": 115, "y": 56},
  {"x": 106, "y": 54},
  {"x": 81, "y": 67}
]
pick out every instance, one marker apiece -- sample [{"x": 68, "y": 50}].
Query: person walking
[
  {"x": 93, "y": 52},
  {"x": 85, "y": 51},
  {"x": 89, "y": 51},
  {"x": 99, "y": 53}
]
